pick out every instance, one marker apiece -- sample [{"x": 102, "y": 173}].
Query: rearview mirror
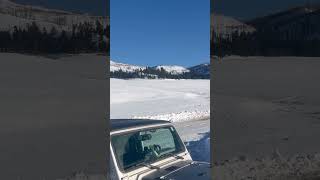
[{"x": 145, "y": 137}]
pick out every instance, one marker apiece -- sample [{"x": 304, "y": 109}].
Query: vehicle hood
[{"x": 182, "y": 171}]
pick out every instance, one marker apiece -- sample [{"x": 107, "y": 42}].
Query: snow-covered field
[
  {"x": 186, "y": 103},
  {"x": 174, "y": 100},
  {"x": 52, "y": 113},
  {"x": 264, "y": 105}
]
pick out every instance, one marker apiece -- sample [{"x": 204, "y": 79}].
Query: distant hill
[
  {"x": 201, "y": 69},
  {"x": 173, "y": 69},
  {"x": 13, "y": 14},
  {"x": 33, "y": 29},
  {"x": 116, "y": 66},
  {"x": 299, "y": 23},
  {"x": 225, "y": 26},
  {"x": 125, "y": 71},
  {"x": 291, "y": 32}
]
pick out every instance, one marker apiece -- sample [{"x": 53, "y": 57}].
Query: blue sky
[{"x": 154, "y": 32}]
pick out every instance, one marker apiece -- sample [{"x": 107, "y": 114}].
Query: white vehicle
[{"x": 151, "y": 150}]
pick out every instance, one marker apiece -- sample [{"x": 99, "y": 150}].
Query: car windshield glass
[{"x": 137, "y": 148}]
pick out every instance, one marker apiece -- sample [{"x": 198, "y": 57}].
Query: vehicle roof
[{"x": 119, "y": 124}]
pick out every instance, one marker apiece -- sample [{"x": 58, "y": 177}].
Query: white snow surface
[
  {"x": 179, "y": 116},
  {"x": 297, "y": 167},
  {"x": 172, "y": 100},
  {"x": 265, "y": 105}
]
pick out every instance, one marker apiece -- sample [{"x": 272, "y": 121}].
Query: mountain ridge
[
  {"x": 14, "y": 14},
  {"x": 224, "y": 26},
  {"x": 290, "y": 32},
  {"x": 201, "y": 71}
]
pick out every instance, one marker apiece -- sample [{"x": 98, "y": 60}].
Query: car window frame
[{"x": 144, "y": 129}]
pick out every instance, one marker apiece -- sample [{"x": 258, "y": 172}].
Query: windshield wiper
[
  {"x": 172, "y": 155},
  {"x": 178, "y": 157},
  {"x": 175, "y": 155},
  {"x": 150, "y": 166}
]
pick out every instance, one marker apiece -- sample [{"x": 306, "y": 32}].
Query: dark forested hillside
[
  {"x": 295, "y": 32},
  {"x": 84, "y": 37},
  {"x": 35, "y": 29}
]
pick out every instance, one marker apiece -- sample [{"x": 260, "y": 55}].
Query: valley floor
[
  {"x": 266, "y": 107},
  {"x": 52, "y": 113}
]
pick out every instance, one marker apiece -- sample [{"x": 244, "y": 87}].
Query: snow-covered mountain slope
[
  {"x": 20, "y": 15},
  {"x": 8, "y": 23},
  {"x": 201, "y": 69},
  {"x": 115, "y": 66},
  {"x": 285, "y": 16},
  {"x": 174, "y": 69},
  {"x": 295, "y": 23},
  {"x": 224, "y": 25}
]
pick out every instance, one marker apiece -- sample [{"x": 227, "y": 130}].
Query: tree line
[
  {"x": 83, "y": 38},
  {"x": 154, "y": 73},
  {"x": 301, "y": 40}
]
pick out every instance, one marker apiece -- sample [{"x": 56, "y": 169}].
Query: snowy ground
[
  {"x": 175, "y": 100},
  {"x": 265, "y": 105},
  {"x": 51, "y": 115},
  {"x": 186, "y": 103},
  {"x": 196, "y": 135}
]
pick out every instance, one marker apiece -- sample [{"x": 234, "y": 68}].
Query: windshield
[{"x": 137, "y": 148}]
